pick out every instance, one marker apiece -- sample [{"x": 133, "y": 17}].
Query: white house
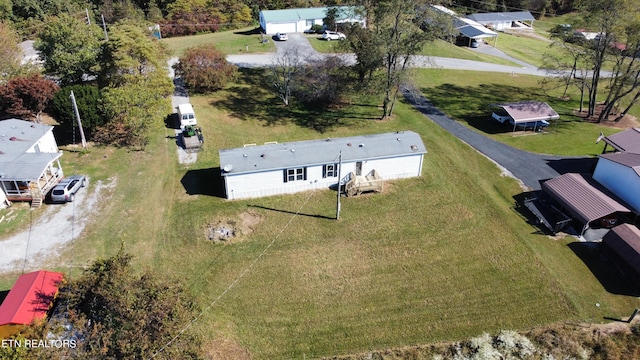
[
  {"x": 501, "y": 21},
  {"x": 271, "y": 169},
  {"x": 299, "y": 20},
  {"x": 467, "y": 27},
  {"x": 29, "y": 160},
  {"x": 620, "y": 173}
]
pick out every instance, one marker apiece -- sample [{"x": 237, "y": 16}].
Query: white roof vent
[{"x": 227, "y": 168}]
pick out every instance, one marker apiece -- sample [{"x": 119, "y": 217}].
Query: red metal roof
[
  {"x": 525, "y": 111},
  {"x": 29, "y": 298},
  {"x": 579, "y": 194},
  {"x": 628, "y": 140}
]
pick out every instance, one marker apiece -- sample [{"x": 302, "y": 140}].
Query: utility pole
[
  {"x": 339, "y": 179},
  {"x": 75, "y": 110},
  {"x": 86, "y": 10},
  {"x": 104, "y": 27}
]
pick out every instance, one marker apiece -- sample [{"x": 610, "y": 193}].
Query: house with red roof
[{"x": 28, "y": 300}]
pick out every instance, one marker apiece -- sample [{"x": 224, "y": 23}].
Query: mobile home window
[
  {"x": 330, "y": 170},
  {"x": 297, "y": 174}
]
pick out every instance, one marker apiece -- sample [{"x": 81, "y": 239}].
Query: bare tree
[{"x": 285, "y": 67}]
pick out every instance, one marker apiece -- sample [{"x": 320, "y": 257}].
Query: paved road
[{"x": 528, "y": 167}]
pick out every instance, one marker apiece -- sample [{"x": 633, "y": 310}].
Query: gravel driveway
[{"x": 48, "y": 234}]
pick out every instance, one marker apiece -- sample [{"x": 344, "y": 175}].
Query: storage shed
[
  {"x": 301, "y": 19},
  {"x": 622, "y": 246},
  {"x": 620, "y": 173},
  {"x": 271, "y": 169},
  {"x": 28, "y": 300}
]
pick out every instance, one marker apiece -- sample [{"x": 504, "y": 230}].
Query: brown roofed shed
[
  {"x": 582, "y": 197},
  {"x": 622, "y": 246}
]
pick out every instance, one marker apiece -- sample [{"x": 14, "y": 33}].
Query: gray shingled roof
[
  {"x": 316, "y": 152},
  {"x": 627, "y": 159},
  {"x": 16, "y": 137},
  {"x": 627, "y": 140},
  {"x": 583, "y": 197},
  {"x": 485, "y": 18}
]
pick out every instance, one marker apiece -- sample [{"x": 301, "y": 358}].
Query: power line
[{"x": 234, "y": 282}]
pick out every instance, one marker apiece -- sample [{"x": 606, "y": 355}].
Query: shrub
[
  {"x": 205, "y": 69},
  {"x": 27, "y": 96},
  {"x": 87, "y": 100}
]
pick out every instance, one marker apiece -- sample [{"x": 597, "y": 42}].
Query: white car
[
  {"x": 333, "y": 35},
  {"x": 281, "y": 37}
]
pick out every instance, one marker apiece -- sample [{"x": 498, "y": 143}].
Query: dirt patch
[
  {"x": 627, "y": 121},
  {"x": 230, "y": 230},
  {"x": 225, "y": 349}
]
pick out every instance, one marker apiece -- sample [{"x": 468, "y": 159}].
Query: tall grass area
[
  {"x": 441, "y": 257},
  {"x": 476, "y": 91}
]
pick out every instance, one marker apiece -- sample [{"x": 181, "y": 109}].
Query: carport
[
  {"x": 526, "y": 112},
  {"x": 585, "y": 200}
]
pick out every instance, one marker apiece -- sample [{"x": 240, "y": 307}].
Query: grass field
[
  {"x": 229, "y": 42},
  {"x": 441, "y": 257},
  {"x": 475, "y": 91}
]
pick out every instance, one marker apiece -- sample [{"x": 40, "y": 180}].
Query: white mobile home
[
  {"x": 271, "y": 169},
  {"x": 620, "y": 174}
]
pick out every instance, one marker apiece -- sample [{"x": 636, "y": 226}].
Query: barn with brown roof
[
  {"x": 622, "y": 246},
  {"x": 620, "y": 173},
  {"x": 585, "y": 201}
]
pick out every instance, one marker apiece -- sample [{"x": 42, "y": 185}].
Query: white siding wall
[
  {"x": 620, "y": 179},
  {"x": 502, "y": 25},
  {"x": 46, "y": 144},
  {"x": 272, "y": 182},
  {"x": 282, "y": 28}
]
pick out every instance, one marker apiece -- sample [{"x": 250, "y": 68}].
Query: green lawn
[
  {"x": 524, "y": 47},
  {"x": 444, "y": 49},
  {"x": 229, "y": 42},
  {"x": 441, "y": 257},
  {"x": 475, "y": 91}
]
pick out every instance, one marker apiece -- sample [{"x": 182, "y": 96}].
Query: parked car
[
  {"x": 474, "y": 43},
  {"x": 333, "y": 35},
  {"x": 67, "y": 188},
  {"x": 281, "y": 37}
]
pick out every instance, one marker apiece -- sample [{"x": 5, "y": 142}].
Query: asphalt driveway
[{"x": 528, "y": 167}]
